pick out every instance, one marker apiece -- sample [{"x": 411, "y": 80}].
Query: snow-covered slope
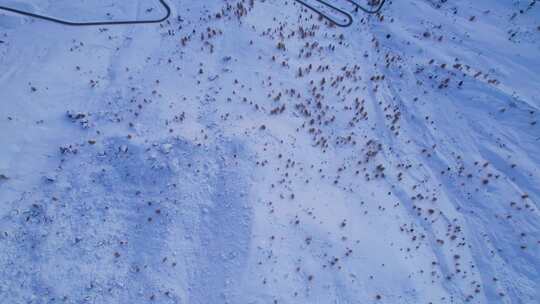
[{"x": 248, "y": 152}]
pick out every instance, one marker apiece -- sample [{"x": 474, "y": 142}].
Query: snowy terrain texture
[{"x": 247, "y": 151}]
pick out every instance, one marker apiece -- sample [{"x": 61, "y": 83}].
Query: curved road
[{"x": 94, "y": 23}]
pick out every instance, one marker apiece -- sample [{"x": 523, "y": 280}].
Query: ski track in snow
[{"x": 250, "y": 153}]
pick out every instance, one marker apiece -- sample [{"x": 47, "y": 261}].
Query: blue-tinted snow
[{"x": 395, "y": 161}]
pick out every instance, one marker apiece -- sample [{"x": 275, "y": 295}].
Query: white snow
[{"x": 194, "y": 161}]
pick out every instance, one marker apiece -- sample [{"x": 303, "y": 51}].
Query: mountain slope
[{"x": 249, "y": 152}]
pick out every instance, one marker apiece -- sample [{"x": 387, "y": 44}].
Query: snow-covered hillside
[{"x": 249, "y": 152}]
